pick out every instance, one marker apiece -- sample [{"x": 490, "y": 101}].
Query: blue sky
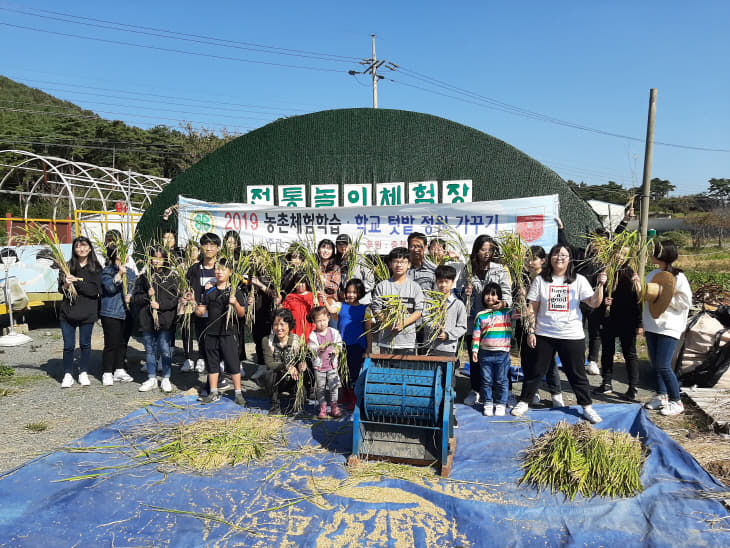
[{"x": 590, "y": 64}]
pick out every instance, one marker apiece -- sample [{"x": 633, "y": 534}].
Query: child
[
  {"x": 400, "y": 338},
  {"x": 326, "y": 345},
  {"x": 351, "y": 323},
  {"x": 281, "y": 349},
  {"x": 490, "y": 348},
  {"x": 300, "y": 303},
  {"x": 221, "y": 333},
  {"x": 201, "y": 277},
  {"x": 157, "y": 290},
  {"x": 455, "y": 326}
]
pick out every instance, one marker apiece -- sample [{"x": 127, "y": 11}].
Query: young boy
[
  {"x": 400, "y": 338},
  {"x": 201, "y": 277},
  {"x": 221, "y": 333},
  {"x": 446, "y": 343}
]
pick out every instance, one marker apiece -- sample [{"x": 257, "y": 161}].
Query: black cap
[{"x": 343, "y": 239}]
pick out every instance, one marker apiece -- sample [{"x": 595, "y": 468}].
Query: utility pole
[
  {"x": 646, "y": 183},
  {"x": 372, "y": 65}
]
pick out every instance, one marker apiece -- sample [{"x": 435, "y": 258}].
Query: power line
[{"x": 92, "y": 147}]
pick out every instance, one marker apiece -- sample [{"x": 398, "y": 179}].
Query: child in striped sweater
[{"x": 490, "y": 348}]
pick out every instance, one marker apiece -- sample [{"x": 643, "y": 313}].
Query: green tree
[
  {"x": 720, "y": 189},
  {"x": 660, "y": 188}
]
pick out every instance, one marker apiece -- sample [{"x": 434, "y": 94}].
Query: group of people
[{"x": 352, "y": 313}]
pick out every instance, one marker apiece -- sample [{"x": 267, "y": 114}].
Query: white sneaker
[
  {"x": 499, "y": 410},
  {"x": 519, "y": 409},
  {"x": 259, "y": 372},
  {"x": 68, "y": 381},
  {"x": 658, "y": 402},
  {"x": 84, "y": 379},
  {"x": 165, "y": 385},
  {"x": 200, "y": 365},
  {"x": 536, "y": 399},
  {"x": 590, "y": 414},
  {"x": 472, "y": 398},
  {"x": 122, "y": 376},
  {"x": 187, "y": 366},
  {"x": 148, "y": 385},
  {"x": 107, "y": 379},
  {"x": 557, "y": 400},
  {"x": 488, "y": 410},
  {"x": 672, "y": 408},
  {"x": 593, "y": 369}
]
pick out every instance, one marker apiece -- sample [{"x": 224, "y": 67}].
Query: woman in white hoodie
[{"x": 662, "y": 333}]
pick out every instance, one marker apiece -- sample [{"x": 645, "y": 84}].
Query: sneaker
[
  {"x": 239, "y": 399},
  {"x": 84, "y": 379},
  {"x": 630, "y": 395},
  {"x": 672, "y": 408},
  {"x": 472, "y": 398},
  {"x": 122, "y": 376},
  {"x": 592, "y": 368},
  {"x": 500, "y": 410},
  {"x": 259, "y": 372},
  {"x": 187, "y": 366},
  {"x": 166, "y": 385},
  {"x": 200, "y": 366},
  {"x": 658, "y": 402},
  {"x": 210, "y": 398},
  {"x": 107, "y": 379},
  {"x": 68, "y": 381},
  {"x": 148, "y": 385},
  {"x": 605, "y": 389},
  {"x": 519, "y": 409},
  {"x": 488, "y": 410},
  {"x": 557, "y": 400},
  {"x": 536, "y": 399},
  {"x": 590, "y": 414},
  {"x": 224, "y": 384}
]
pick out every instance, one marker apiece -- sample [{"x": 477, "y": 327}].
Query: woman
[
  {"x": 330, "y": 271},
  {"x": 232, "y": 242},
  {"x": 281, "y": 355},
  {"x": 157, "y": 290},
  {"x": 555, "y": 296},
  {"x": 116, "y": 318},
  {"x": 663, "y": 332},
  {"x": 484, "y": 271},
  {"x": 79, "y": 308}
]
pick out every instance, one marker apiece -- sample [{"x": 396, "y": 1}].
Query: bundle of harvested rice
[
  {"x": 434, "y": 313},
  {"x": 36, "y": 234},
  {"x": 515, "y": 254},
  {"x": 581, "y": 459}
]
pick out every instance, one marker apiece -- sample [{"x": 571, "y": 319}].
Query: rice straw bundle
[
  {"x": 311, "y": 269},
  {"x": 340, "y": 352},
  {"x": 239, "y": 265},
  {"x": 36, "y": 234},
  {"x": 434, "y": 314},
  {"x": 150, "y": 271},
  {"x": 581, "y": 459},
  {"x": 377, "y": 265},
  {"x": 298, "y": 355},
  {"x": 393, "y": 313},
  {"x": 179, "y": 267},
  {"x": 452, "y": 238},
  {"x": 610, "y": 253},
  {"x": 355, "y": 257},
  {"x": 123, "y": 247},
  {"x": 515, "y": 253}
]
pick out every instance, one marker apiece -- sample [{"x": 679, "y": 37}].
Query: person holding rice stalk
[
  {"x": 555, "y": 296},
  {"x": 79, "y": 308},
  {"x": 325, "y": 345},
  {"x": 665, "y": 314},
  {"x": 282, "y": 349},
  {"x": 156, "y": 300},
  {"x": 483, "y": 271}
]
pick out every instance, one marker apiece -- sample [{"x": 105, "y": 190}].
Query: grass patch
[
  {"x": 19, "y": 381},
  {"x": 6, "y": 372},
  {"x": 37, "y": 427},
  {"x": 578, "y": 458}
]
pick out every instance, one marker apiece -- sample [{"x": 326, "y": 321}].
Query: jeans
[
  {"x": 68, "y": 330},
  {"x": 154, "y": 341},
  {"x": 661, "y": 349},
  {"x": 494, "y": 367}
]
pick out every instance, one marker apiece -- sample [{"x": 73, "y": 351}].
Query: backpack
[{"x": 703, "y": 352}]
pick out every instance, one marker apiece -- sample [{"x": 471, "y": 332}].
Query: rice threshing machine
[{"x": 405, "y": 411}]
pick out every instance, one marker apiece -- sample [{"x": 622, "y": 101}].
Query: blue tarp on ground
[{"x": 481, "y": 504}]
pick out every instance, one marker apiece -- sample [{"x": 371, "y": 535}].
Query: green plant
[
  {"x": 36, "y": 427},
  {"x": 6, "y": 371},
  {"x": 698, "y": 279},
  {"x": 682, "y": 238}
]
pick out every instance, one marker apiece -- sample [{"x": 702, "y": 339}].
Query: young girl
[
  {"x": 117, "y": 318},
  {"x": 79, "y": 310},
  {"x": 351, "y": 324},
  {"x": 157, "y": 290},
  {"x": 326, "y": 345},
  {"x": 280, "y": 351},
  {"x": 330, "y": 271},
  {"x": 490, "y": 348},
  {"x": 300, "y": 303}
]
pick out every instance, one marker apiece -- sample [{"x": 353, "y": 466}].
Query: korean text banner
[{"x": 382, "y": 228}]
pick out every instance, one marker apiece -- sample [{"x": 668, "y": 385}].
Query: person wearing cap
[{"x": 667, "y": 300}]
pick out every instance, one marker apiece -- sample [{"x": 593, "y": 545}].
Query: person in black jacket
[
  {"x": 201, "y": 277},
  {"x": 80, "y": 307},
  {"x": 155, "y": 298}
]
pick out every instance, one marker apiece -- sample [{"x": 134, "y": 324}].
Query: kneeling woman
[
  {"x": 281, "y": 352},
  {"x": 555, "y": 296}
]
